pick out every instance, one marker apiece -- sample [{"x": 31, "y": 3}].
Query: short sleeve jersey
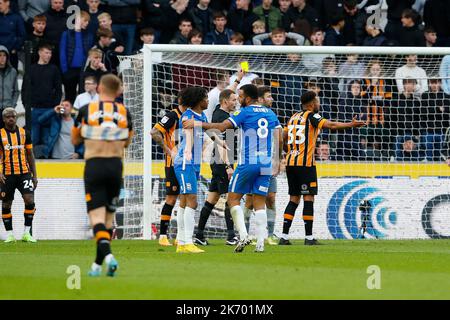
[{"x": 257, "y": 124}]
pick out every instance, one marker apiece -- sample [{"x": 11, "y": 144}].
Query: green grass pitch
[{"x": 338, "y": 270}]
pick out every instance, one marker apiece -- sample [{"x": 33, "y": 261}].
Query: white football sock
[
  {"x": 271, "y": 216},
  {"x": 261, "y": 226},
  {"x": 96, "y": 267},
  {"x": 309, "y": 238},
  {"x": 189, "y": 224},
  {"x": 285, "y": 236},
  {"x": 180, "y": 226},
  {"x": 238, "y": 218},
  {"x": 108, "y": 258},
  {"x": 27, "y": 229}
]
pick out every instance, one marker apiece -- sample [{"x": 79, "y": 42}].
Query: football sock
[
  {"x": 238, "y": 219},
  {"x": 204, "y": 216},
  {"x": 180, "y": 226},
  {"x": 229, "y": 222},
  {"x": 271, "y": 214},
  {"x": 247, "y": 214},
  {"x": 7, "y": 219},
  {"x": 189, "y": 224},
  {"x": 166, "y": 213},
  {"x": 289, "y": 214},
  {"x": 308, "y": 218},
  {"x": 261, "y": 225},
  {"x": 29, "y": 215},
  {"x": 103, "y": 243}
]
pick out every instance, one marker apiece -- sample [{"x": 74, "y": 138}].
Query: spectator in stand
[
  {"x": 258, "y": 27},
  {"x": 106, "y": 22},
  {"x": 59, "y": 141},
  {"x": 74, "y": 49},
  {"x": 195, "y": 37},
  {"x": 355, "y": 22},
  {"x": 94, "y": 12},
  {"x": 313, "y": 62},
  {"x": 9, "y": 89},
  {"x": 411, "y": 70},
  {"x": 333, "y": 35},
  {"x": 165, "y": 17},
  {"x": 90, "y": 93},
  {"x": 202, "y": 16},
  {"x": 430, "y": 36},
  {"x": 124, "y": 16},
  {"x": 147, "y": 36},
  {"x": 237, "y": 39},
  {"x": 106, "y": 45},
  {"x": 300, "y": 10},
  {"x": 323, "y": 152},
  {"x": 241, "y": 19},
  {"x": 407, "y": 149},
  {"x": 278, "y": 37},
  {"x": 378, "y": 92},
  {"x": 444, "y": 74},
  {"x": 351, "y": 69},
  {"x": 42, "y": 90},
  {"x": 181, "y": 37},
  {"x": 410, "y": 35},
  {"x": 329, "y": 84},
  {"x": 95, "y": 67},
  {"x": 404, "y": 113},
  {"x": 12, "y": 31},
  {"x": 394, "y": 16},
  {"x": 284, "y": 6},
  {"x": 269, "y": 14},
  {"x": 56, "y": 25},
  {"x": 220, "y": 34},
  {"x": 435, "y": 119},
  {"x": 351, "y": 105},
  {"x": 37, "y": 37},
  {"x": 437, "y": 15},
  {"x": 28, "y": 9},
  {"x": 375, "y": 37}
]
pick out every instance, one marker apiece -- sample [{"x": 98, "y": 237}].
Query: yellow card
[{"x": 245, "y": 66}]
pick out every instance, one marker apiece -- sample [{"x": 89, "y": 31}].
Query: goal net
[{"x": 396, "y": 164}]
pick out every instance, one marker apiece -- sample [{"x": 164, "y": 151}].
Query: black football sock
[
  {"x": 166, "y": 213},
  {"x": 229, "y": 222},
  {"x": 103, "y": 242},
  {"x": 289, "y": 214},
  {"x": 204, "y": 216},
  {"x": 308, "y": 217}
]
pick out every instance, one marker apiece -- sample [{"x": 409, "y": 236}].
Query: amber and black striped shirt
[
  {"x": 302, "y": 130},
  {"x": 167, "y": 126},
  {"x": 107, "y": 121},
  {"x": 14, "y": 146}
]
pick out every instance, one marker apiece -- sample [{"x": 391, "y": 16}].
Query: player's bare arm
[
  {"x": 279, "y": 133},
  {"x": 158, "y": 137},
  {"x": 32, "y": 164},
  {"x": 344, "y": 125},
  {"x": 189, "y": 134}
]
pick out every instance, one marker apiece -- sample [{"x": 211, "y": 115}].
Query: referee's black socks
[
  {"x": 103, "y": 242},
  {"x": 204, "y": 216},
  {"x": 229, "y": 222},
  {"x": 166, "y": 213}
]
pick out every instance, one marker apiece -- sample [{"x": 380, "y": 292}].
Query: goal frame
[{"x": 151, "y": 51}]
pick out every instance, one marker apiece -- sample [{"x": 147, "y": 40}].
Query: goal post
[{"x": 390, "y": 164}]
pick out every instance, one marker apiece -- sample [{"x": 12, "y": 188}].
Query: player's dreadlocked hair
[{"x": 192, "y": 96}]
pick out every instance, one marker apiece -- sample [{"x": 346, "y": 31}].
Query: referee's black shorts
[
  {"x": 219, "y": 182},
  {"x": 302, "y": 180},
  {"x": 102, "y": 183},
  {"x": 172, "y": 185}
]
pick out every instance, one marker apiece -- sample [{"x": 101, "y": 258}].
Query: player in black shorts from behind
[
  {"x": 221, "y": 174},
  {"x": 301, "y": 135},
  {"x": 18, "y": 172},
  {"x": 106, "y": 129}
]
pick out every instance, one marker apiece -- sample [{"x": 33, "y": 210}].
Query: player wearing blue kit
[
  {"x": 259, "y": 125},
  {"x": 187, "y": 166}
]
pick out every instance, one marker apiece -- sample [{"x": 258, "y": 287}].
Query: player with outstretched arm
[{"x": 301, "y": 135}]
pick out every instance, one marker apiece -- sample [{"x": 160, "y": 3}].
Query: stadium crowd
[{"x": 408, "y": 111}]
